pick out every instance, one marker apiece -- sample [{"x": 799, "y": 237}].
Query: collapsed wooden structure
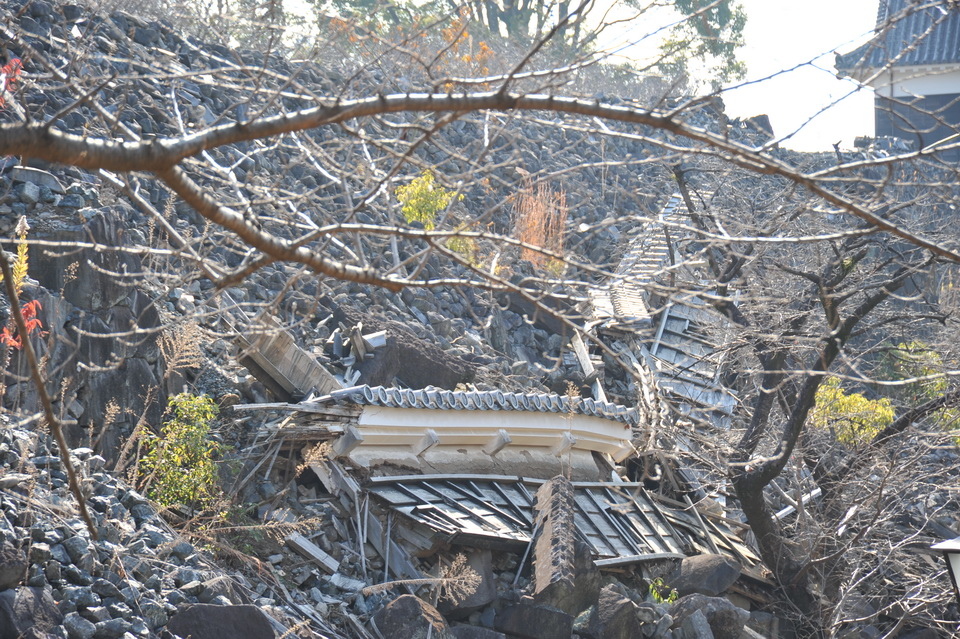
[
  {"x": 379, "y": 450},
  {"x": 422, "y": 471}
]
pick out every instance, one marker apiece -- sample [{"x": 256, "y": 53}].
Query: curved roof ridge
[{"x": 439, "y": 399}]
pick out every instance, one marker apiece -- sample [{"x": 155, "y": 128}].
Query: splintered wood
[{"x": 553, "y": 548}]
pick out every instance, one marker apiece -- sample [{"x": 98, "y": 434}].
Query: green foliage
[
  {"x": 923, "y": 366},
  {"x": 661, "y": 593},
  {"x": 912, "y": 361},
  {"x": 423, "y": 199},
  {"x": 852, "y": 418},
  {"x": 465, "y": 246},
  {"x": 180, "y": 465}
]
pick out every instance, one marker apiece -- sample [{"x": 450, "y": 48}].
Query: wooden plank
[
  {"x": 400, "y": 564},
  {"x": 287, "y": 365},
  {"x": 304, "y": 407},
  {"x": 635, "y": 559},
  {"x": 313, "y": 552},
  {"x": 583, "y": 356}
]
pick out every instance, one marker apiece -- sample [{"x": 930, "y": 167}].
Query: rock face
[
  {"x": 206, "y": 621},
  {"x": 105, "y": 329},
  {"x": 705, "y": 574}
]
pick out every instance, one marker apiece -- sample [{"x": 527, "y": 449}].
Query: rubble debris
[{"x": 281, "y": 365}]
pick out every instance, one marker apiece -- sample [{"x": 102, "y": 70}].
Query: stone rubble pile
[{"x": 139, "y": 578}]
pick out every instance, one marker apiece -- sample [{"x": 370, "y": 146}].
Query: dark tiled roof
[
  {"x": 437, "y": 399},
  {"x": 909, "y": 36}
]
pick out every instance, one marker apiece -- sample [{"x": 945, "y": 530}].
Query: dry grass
[
  {"x": 540, "y": 219},
  {"x": 180, "y": 347}
]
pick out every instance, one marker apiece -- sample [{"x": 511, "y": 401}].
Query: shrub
[
  {"x": 180, "y": 465},
  {"x": 852, "y": 418},
  {"x": 465, "y": 246},
  {"x": 916, "y": 361},
  {"x": 911, "y": 360},
  {"x": 423, "y": 199}
]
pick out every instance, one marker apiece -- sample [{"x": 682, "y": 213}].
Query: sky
[{"x": 781, "y": 34}]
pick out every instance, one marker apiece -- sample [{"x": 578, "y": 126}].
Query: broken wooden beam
[
  {"x": 583, "y": 356},
  {"x": 313, "y": 552}
]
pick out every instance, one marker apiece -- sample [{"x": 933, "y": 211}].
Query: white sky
[{"x": 781, "y": 34}]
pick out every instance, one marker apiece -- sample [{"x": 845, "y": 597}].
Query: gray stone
[
  {"x": 111, "y": 629},
  {"x": 27, "y": 609},
  {"x": 695, "y": 626},
  {"x": 181, "y": 550},
  {"x": 532, "y": 621},
  {"x": 205, "y": 621},
  {"x": 481, "y": 562},
  {"x": 13, "y": 566},
  {"x": 53, "y": 572},
  {"x": 725, "y": 619},
  {"x": 105, "y": 589},
  {"x": 154, "y": 613},
  {"x": 77, "y": 627},
  {"x": 663, "y": 626},
  {"x": 82, "y": 597},
  {"x": 76, "y": 547},
  {"x": 72, "y": 201},
  {"x": 409, "y": 616},
  {"x": 30, "y": 193},
  {"x": 39, "y": 553},
  {"x": 58, "y": 552},
  {"x": 475, "y": 632},
  {"x": 706, "y": 574},
  {"x": 614, "y": 616},
  {"x": 649, "y": 612},
  {"x": 95, "y": 614}
]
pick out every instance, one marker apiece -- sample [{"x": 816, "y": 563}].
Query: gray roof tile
[
  {"x": 909, "y": 33},
  {"x": 433, "y": 398}
]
